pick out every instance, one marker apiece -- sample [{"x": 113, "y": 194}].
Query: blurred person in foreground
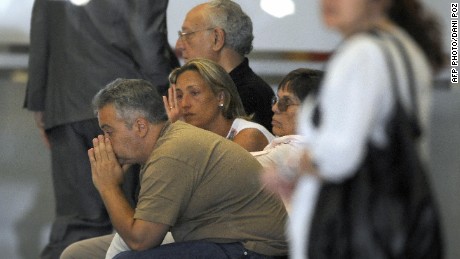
[
  {"x": 194, "y": 183},
  {"x": 219, "y": 30},
  {"x": 387, "y": 43}
]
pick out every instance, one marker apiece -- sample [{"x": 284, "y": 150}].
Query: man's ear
[
  {"x": 141, "y": 126},
  {"x": 219, "y": 38}
]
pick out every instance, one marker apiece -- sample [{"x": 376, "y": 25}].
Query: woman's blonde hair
[{"x": 218, "y": 80}]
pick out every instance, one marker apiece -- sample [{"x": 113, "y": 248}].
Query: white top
[
  {"x": 241, "y": 124},
  {"x": 277, "y": 150},
  {"x": 118, "y": 245},
  {"x": 356, "y": 100}
]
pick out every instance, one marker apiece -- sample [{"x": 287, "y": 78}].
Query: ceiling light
[
  {"x": 278, "y": 8},
  {"x": 79, "y": 2}
]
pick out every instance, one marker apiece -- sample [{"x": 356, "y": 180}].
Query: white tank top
[{"x": 241, "y": 124}]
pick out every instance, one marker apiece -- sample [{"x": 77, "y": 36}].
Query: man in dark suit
[{"x": 74, "y": 52}]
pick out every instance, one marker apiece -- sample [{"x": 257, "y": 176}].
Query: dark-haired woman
[{"x": 298, "y": 85}]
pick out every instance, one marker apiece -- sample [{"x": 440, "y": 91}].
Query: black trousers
[
  {"x": 80, "y": 212},
  {"x": 196, "y": 249}
]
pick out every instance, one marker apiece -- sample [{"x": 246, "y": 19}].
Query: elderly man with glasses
[{"x": 219, "y": 30}]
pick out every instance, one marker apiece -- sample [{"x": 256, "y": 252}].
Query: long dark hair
[{"x": 422, "y": 26}]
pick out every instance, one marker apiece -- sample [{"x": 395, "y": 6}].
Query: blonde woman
[{"x": 204, "y": 95}]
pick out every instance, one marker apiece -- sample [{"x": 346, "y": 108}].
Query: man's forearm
[
  {"x": 137, "y": 234},
  {"x": 120, "y": 211}
]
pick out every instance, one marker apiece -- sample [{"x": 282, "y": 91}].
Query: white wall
[
  {"x": 301, "y": 31},
  {"x": 15, "y": 21}
]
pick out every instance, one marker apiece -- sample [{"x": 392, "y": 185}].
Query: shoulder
[
  {"x": 189, "y": 148},
  {"x": 415, "y": 53},
  {"x": 360, "y": 56},
  {"x": 248, "y": 127},
  {"x": 292, "y": 140},
  {"x": 280, "y": 148},
  {"x": 241, "y": 124},
  {"x": 360, "y": 46},
  {"x": 246, "y": 79},
  {"x": 182, "y": 138}
]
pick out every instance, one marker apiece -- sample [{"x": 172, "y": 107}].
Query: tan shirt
[{"x": 207, "y": 188}]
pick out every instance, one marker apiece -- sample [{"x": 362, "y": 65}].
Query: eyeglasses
[
  {"x": 182, "y": 34},
  {"x": 283, "y": 103}
]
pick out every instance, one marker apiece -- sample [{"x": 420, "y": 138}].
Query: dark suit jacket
[
  {"x": 256, "y": 95},
  {"x": 76, "y": 50}
]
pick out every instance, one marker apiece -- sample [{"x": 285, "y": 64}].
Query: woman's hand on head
[{"x": 171, "y": 106}]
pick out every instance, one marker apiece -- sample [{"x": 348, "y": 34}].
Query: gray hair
[
  {"x": 218, "y": 80},
  {"x": 132, "y": 98},
  {"x": 237, "y": 25}
]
